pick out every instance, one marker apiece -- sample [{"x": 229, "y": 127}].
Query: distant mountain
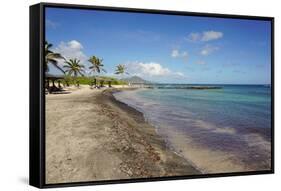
[{"x": 135, "y": 80}]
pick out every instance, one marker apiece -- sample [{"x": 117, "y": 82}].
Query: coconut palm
[
  {"x": 73, "y": 68},
  {"x": 96, "y": 66},
  {"x": 121, "y": 69},
  {"x": 51, "y": 57}
]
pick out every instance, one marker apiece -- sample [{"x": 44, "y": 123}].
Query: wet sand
[
  {"x": 210, "y": 147},
  {"x": 90, "y": 136}
]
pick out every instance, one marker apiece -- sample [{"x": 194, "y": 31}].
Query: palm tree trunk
[{"x": 47, "y": 84}]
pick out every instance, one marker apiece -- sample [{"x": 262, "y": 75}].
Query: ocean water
[{"x": 217, "y": 130}]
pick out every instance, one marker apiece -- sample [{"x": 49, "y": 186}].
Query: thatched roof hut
[{"x": 53, "y": 77}]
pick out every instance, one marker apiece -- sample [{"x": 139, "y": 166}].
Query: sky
[{"x": 164, "y": 48}]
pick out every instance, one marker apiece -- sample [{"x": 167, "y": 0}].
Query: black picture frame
[{"x": 37, "y": 94}]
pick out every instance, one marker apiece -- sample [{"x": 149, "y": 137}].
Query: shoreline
[
  {"x": 129, "y": 109},
  {"x": 144, "y": 120},
  {"x": 139, "y": 116},
  {"x": 201, "y": 155},
  {"x": 86, "y": 122}
]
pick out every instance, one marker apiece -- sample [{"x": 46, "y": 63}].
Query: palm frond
[
  {"x": 73, "y": 67},
  {"x": 96, "y": 64},
  {"x": 51, "y": 57}
]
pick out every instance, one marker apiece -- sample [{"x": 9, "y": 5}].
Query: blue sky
[{"x": 165, "y": 48}]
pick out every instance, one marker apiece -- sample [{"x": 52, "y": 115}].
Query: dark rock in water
[
  {"x": 191, "y": 87},
  {"x": 205, "y": 87}
]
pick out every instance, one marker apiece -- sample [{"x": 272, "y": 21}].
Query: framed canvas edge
[
  {"x": 35, "y": 96},
  {"x": 156, "y": 11},
  {"x": 42, "y": 6}
]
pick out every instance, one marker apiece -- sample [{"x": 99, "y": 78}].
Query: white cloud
[
  {"x": 51, "y": 24},
  {"x": 211, "y": 35},
  {"x": 208, "y": 49},
  {"x": 75, "y": 45},
  {"x": 175, "y": 53},
  {"x": 70, "y": 50},
  {"x": 180, "y": 74},
  {"x": 179, "y": 54},
  {"x": 151, "y": 69},
  {"x": 154, "y": 69},
  {"x": 204, "y": 36},
  {"x": 194, "y": 37}
]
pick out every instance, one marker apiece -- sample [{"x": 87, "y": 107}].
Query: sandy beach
[{"x": 90, "y": 136}]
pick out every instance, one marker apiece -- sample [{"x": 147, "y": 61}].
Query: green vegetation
[
  {"x": 74, "y": 71},
  {"x": 96, "y": 66},
  {"x": 121, "y": 69},
  {"x": 89, "y": 80},
  {"x": 74, "y": 68}
]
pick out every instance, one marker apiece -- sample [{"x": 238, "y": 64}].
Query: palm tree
[
  {"x": 74, "y": 68},
  {"x": 121, "y": 69},
  {"x": 96, "y": 66},
  {"x": 51, "y": 57}
]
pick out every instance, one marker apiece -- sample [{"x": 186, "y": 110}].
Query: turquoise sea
[{"x": 217, "y": 130}]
